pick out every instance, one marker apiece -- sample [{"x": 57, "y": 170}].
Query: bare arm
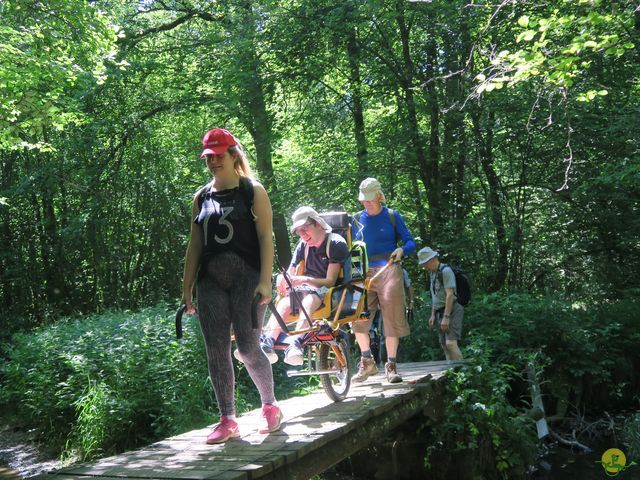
[
  {"x": 448, "y": 305},
  {"x": 192, "y": 259},
  {"x": 264, "y": 229},
  {"x": 432, "y": 318},
  {"x": 448, "y": 308}
]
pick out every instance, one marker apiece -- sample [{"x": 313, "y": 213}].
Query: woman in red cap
[{"x": 229, "y": 259}]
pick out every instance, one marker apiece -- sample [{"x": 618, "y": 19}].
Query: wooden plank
[
  {"x": 312, "y": 424},
  {"x": 314, "y": 463}
]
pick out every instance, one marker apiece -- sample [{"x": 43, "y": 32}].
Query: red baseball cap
[{"x": 217, "y": 141}]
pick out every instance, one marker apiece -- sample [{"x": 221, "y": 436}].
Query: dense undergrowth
[
  {"x": 105, "y": 383},
  {"x": 100, "y": 384},
  {"x": 586, "y": 359},
  {"x": 586, "y": 354}
]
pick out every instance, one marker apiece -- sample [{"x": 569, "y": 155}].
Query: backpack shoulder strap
[
  {"x": 331, "y": 234},
  {"x": 246, "y": 190},
  {"x": 245, "y": 187},
  {"x": 306, "y": 254},
  {"x": 441, "y": 267},
  {"x": 392, "y": 217},
  {"x": 202, "y": 193}
]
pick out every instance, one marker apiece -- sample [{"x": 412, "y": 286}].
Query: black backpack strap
[
  {"x": 202, "y": 194},
  {"x": 246, "y": 189},
  {"x": 392, "y": 217},
  {"x": 439, "y": 275}
]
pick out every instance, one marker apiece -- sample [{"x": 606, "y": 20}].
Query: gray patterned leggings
[{"x": 224, "y": 294}]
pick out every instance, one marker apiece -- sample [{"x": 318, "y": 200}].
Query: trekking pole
[
  {"x": 179, "y": 313},
  {"x": 254, "y": 311},
  {"x": 292, "y": 291},
  {"x": 254, "y": 314},
  {"x": 389, "y": 263}
]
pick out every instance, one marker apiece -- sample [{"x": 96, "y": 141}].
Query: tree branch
[{"x": 132, "y": 40}]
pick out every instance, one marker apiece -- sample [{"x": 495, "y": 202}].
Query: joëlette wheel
[{"x": 337, "y": 384}]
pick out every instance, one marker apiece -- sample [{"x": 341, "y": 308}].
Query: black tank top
[{"x": 227, "y": 224}]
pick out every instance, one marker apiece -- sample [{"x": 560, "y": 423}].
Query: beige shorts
[
  {"x": 455, "y": 324},
  {"x": 386, "y": 293}
]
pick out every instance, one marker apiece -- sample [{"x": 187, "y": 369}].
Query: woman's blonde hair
[{"x": 241, "y": 162}]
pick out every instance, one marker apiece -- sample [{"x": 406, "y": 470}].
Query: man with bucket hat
[{"x": 446, "y": 312}]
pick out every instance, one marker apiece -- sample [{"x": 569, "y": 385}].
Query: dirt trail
[{"x": 20, "y": 457}]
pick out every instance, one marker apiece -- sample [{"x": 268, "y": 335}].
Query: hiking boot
[
  {"x": 366, "y": 368},
  {"x": 293, "y": 355},
  {"x": 392, "y": 373},
  {"x": 266, "y": 343},
  {"x": 222, "y": 432},
  {"x": 272, "y": 416}
]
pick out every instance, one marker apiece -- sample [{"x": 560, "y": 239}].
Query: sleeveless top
[{"x": 227, "y": 225}]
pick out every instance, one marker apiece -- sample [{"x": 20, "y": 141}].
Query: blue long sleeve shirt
[{"x": 381, "y": 238}]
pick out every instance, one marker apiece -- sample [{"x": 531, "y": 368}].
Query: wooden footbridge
[{"x": 316, "y": 434}]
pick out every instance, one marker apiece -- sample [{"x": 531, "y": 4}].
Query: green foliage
[
  {"x": 586, "y": 359},
  {"x": 93, "y": 409},
  {"x": 557, "y": 46},
  {"x": 589, "y": 355},
  {"x": 109, "y": 101},
  {"x": 532, "y": 188},
  {"x": 50, "y": 51},
  {"x": 107, "y": 382},
  {"x": 482, "y": 433},
  {"x": 631, "y": 437}
]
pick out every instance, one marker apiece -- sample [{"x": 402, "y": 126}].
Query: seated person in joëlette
[{"x": 323, "y": 254}]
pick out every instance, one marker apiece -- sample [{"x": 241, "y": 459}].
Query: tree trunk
[
  {"x": 516, "y": 266},
  {"x": 353, "y": 51},
  {"x": 8, "y": 274},
  {"x": 51, "y": 248},
  {"x": 485, "y": 150},
  {"x": 262, "y": 138},
  {"x": 462, "y": 58},
  {"x": 259, "y": 125},
  {"x": 442, "y": 188},
  {"x": 415, "y": 189},
  {"x": 428, "y": 171}
]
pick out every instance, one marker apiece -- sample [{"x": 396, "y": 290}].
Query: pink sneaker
[
  {"x": 272, "y": 416},
  {"x": 225, "y": 430}
]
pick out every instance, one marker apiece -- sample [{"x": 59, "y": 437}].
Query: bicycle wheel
[{"x": 335, "y": 384}]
